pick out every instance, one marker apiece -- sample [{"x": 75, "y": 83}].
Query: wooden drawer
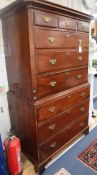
[
  {"x": 57, "y": 106},
  {"x": 58, "y": 39},
  {"x": 48, "y": 60},
  {"x": 51, "y": 84},
  {"x": 83, "y": 26},
  {"x": 67, "y": 23},
  {"x": 45, "y": 19},
  {"x": 55, "y": 125},
  {"x": 59, "y": 141}
]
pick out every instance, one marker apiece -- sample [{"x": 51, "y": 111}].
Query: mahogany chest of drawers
[{"x": 46, "y": 49}]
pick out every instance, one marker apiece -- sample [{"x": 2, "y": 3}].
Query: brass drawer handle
[
  {"x": 82, "y": 124},
  {"x": 82, "y": 109},
  {"x": 46, "y": 19},
  {"x": 52, "y": 109},
  {"x": 52, "y": 39},
  {"x": 53, "y": 61},
  {"x": 52, "y": 83},
  {"x": 79, "y": 76},
  {"x": 53, "y": 145},
  {"x": 80, "y": 58},
  {"x": 83, "y": 94},
  {"x": 67, "y": 35},
  {"x": 52, "y": 127},
  {"x": 67, "y": 23}
]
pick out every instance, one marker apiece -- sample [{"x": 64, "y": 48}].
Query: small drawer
[
  {"x": 58, "y": 141},
  {"x": 55, "y": 125},
  {"x": 45, "y": 38},
  {"x": 59, "y": 105},
  {"x": 55, "y": 60},
  {"x": 67, "y": 23},
  {"x": 83, "y": 26},
  {"x": 52, "y": 84},
  {"x": 45, "y": 19}
]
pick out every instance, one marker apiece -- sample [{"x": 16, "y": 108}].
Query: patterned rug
[
  {"x": 89, "y": 156},
  {"x": 69, "y": 160},
  {"x": 62, "y": 171}
]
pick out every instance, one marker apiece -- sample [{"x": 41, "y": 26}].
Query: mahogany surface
[{"x": 46, "y": 48}]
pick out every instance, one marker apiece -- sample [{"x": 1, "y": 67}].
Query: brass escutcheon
[
  {"x": 67, "y": 35},
  {"x": 52, "y": 127},
  {"x": 53, "y": 145},
  {"x": 82, "y": 124}
]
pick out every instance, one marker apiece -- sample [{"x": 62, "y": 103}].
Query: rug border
[
  {"x": 92, "y": 143},
  {"x": 86, "y": 165}
]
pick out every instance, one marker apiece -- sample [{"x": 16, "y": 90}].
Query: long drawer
[
  {"x": 57, "y": 106},
  {"x": 48, "y": 60},
  {"x": 52, "y": 84},
  {"x": 50, "y": 147},
  {"x": 45, "y": 38},
  {"x": 56, "y": 125}
]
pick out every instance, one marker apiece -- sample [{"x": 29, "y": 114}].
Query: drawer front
[
  {"x": 56, "y": 107},
  {"x": 48, "y": 85},
  {"x": 54, "y": 126},
  {"x": 55, "y": 60},
  {"x": 49, "y": 148},
  {"x": 58, "y": 39},
  {"x": 45, "y": 19},
  {"x": 83, "y": 26},
  {"x": 67, "y": 23}
]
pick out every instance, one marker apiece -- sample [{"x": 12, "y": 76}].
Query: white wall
[
  {"x": 74, "y": 4},
  {"x": 4, "y": 113}
]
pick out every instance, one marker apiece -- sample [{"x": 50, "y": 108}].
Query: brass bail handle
[
  {"x": 52, "y": 39},
  {"x": 52, "y": 83},
  {"x": 52, "y": 109},
  {"x": 46, "y": 19},
  {"x": 53, "y": 61}
]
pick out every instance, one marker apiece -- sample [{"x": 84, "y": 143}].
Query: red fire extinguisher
[{"x": 13, "y": 155}]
